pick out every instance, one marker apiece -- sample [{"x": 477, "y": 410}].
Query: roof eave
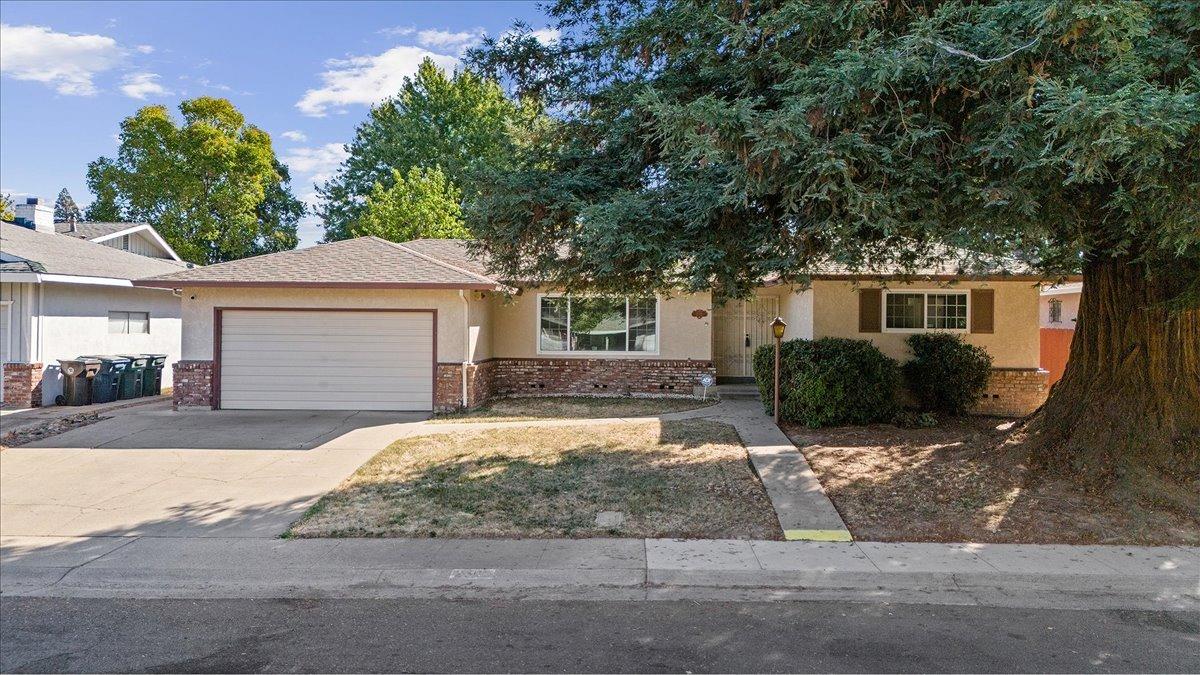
[
  {"x": 938, "y": 277},
  {"x": 381, "y": 285}
]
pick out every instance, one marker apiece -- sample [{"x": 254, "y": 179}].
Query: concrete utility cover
[{"x": 610, "y": 519}]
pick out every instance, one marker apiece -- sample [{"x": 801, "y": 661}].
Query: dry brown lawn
[
  {"x": 959, "y": 482},
  {"x": 687, "y": 478},
  {"x": 571, "y": 407}
]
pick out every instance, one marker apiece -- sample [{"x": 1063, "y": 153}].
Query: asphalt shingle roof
[
  {"x": 453, "y": 251},
  {"x": 57, "y": 254},
  {"x": 93, "y": 230},
  {"x": 361, "y": 262}
]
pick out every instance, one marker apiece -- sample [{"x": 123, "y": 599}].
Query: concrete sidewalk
[{"x": 1066, "y": 577}]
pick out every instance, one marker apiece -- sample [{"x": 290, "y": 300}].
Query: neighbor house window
[
  {"x": 128, "y": 322},
  {"x": 597, "y": 324},
  {"x": 1055, "y": 310},
  {"x": 925, "y": 310}
]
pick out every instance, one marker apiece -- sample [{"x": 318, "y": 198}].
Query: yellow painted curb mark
[{"x": 817, "y": 535}]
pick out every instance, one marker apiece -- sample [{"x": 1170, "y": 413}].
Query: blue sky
[{"x": 306, "y": 72}]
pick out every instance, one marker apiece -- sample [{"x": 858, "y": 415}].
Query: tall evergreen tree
[
  {"x": 710, "y": 143},
  {"x": 65, "y": 208},
  {"x": 456, "y": 123},
  {"x": 212, "y": 186}
]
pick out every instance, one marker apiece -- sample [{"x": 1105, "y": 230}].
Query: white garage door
[{"x": 311, "y": 360}]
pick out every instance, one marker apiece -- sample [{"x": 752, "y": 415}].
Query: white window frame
[
  {"x": 127, "y": 312},
  {"x": 924, "y": 310},
  {"x": 537, "y": 333}
]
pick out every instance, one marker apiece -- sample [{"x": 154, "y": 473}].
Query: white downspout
[{"x": 466, "y": 342}]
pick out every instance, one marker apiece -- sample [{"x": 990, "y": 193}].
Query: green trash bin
[
  {"x": 106, "y": 383},
  {"x": 152, "y": 379},
  {"x": 77, "y": 375},
  {"x": 132, "y": 378}
]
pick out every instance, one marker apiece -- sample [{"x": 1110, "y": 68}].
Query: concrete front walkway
[{"x": 1071, "y": 577}]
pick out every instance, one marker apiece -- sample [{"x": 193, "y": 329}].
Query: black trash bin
[
  {"x": 77, "y": 375},
  {"x": 106, "y": 383},
  {"x": 131, "y": 379},
  {"x": 152, "y": 378}
]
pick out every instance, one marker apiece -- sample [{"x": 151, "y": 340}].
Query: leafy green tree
[
  {"x": 65, "y": 207},
  {"x": 457, "y": 123},
  {"x": 211, "y": 186},
  {"x": 711, "y": 143},
  {"x": 7, "y": 213},
  {"x": 421, "y": 204}
]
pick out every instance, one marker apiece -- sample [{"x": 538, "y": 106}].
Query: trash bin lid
[{"x": 110, "y": 358}]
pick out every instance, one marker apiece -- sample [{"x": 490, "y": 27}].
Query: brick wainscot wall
[
  {"x": 511, "y": 377},
  {"x": 1014, "y": 392},
  {"x": 22, "y": 385},
  {"x": 567, "y": 377},
  {"x": 192, "y": 384}
]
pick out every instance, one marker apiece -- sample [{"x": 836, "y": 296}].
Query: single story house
[
  {"x": 63, "y": 297},
  {"x": 370, "y": 324},
  {"x": 1059, "y": 311}
]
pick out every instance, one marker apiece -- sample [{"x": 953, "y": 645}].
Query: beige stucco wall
[
  {"x": 480, "y": 325},
  {"x": 795, "y": 307},
  {"x": 198, "y": 305},
  {"x": 681, "y": 335},
  {"x": 1014, "y": 344}
]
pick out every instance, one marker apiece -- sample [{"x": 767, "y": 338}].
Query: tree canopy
[
  {"x": 421, "y": 204},
  {"x": 65, "y": 207},
  {"x": 716, "y": 142},
  {"x": 211, "y": 186},
  {"x": 6, "y": 208},
  {"x": 456, "y": 123},
  {"x": 707, "y": 144}
]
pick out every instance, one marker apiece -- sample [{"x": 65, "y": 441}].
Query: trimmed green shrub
[
  {"x": 946, "y": 374},
  {"x": 829, "y": 381}
]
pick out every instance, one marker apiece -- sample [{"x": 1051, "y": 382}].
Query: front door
[{"x": 739, "y": 328}]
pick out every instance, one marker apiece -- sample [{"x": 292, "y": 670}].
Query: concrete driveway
[{"x": 152, "y": 471}]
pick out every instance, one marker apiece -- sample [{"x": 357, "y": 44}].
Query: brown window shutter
[
  {"x": 983, "y": 310},
  {"x": 870, "y": 310}
]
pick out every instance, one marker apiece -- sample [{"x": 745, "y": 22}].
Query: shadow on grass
[
  {"x": 572, "y": 407},
  {"x": 688, "y": 478}
]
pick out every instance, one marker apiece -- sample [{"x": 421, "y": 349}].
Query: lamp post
[{"x": 777, "y": 328}]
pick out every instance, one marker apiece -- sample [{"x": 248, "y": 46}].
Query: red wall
[{"x": 1056, "y": 347}]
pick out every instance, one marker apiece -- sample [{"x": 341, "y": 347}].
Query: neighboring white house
[
  {"x": 139, "y": 238},
  {"x": 66, "y": 296},
  {"x": 1060, "y": 305}
]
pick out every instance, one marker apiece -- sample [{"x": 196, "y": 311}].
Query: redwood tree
[{"x": 710, "y": 143}]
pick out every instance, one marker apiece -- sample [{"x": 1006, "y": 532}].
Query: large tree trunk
[{"x": 1126, "y": 413}]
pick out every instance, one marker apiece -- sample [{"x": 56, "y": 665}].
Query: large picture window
[
  {"x": 597, "y": 324},
  {"x": 917, "y": 311}
]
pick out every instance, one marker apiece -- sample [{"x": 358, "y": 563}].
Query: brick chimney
[{"x": 35, "y": 215}]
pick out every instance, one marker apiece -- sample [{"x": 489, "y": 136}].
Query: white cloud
[
  {"x": 145, "y": 49},
  {"x": 317, "y": 163},
  {"x": 398, "y": 31},
  {"x": 546, "y": 36},
  {"x": 142, "y": 85},
  {"x": 295, "y": 136},
  {"x": 364, "y": 80},
  {"x": 444, "y": 39},
  {"x": 69, "y": 63}
]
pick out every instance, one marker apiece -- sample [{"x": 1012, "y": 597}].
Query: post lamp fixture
[{"x": 778, "y": 326}]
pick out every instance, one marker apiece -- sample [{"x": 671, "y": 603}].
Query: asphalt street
[{"x": 105, "y": 635}]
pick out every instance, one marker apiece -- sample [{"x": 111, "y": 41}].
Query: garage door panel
[{"x": 280, "y": 360}]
